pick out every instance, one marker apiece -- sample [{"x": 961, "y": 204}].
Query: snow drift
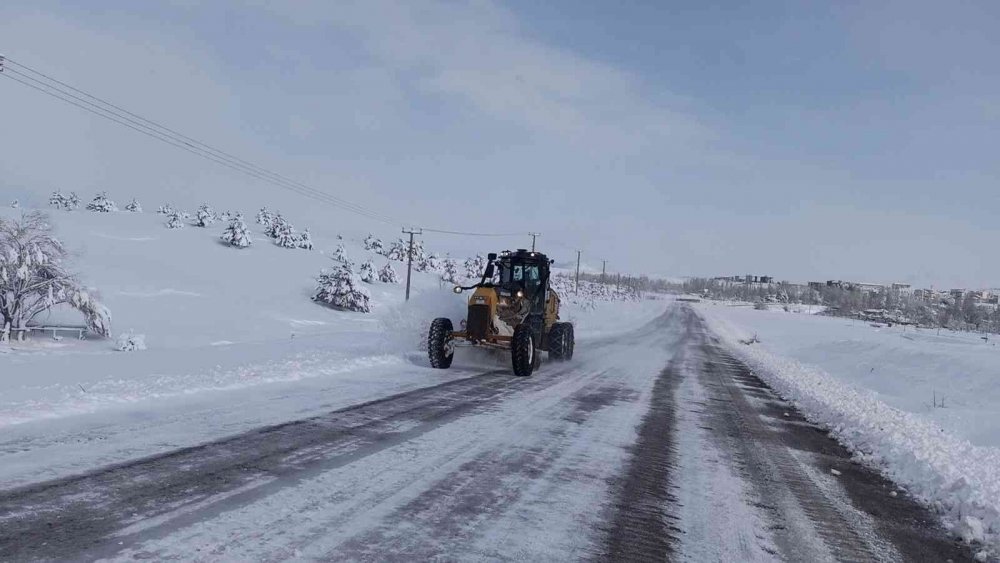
[{"x": 960, "y": 480}]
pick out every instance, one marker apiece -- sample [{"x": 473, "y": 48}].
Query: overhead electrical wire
[
  {"x": 190, "y": 142},
  {"x": 152, "y": 129},
  {"x": 100, "y": 107},
  {"x": 462, "y": 233}
]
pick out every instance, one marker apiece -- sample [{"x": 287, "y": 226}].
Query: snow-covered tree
[
  {"x": 342, "y": 289},
  {"x": 340, "y": 255},
  {"x": 165, "y": 209},
  {"x": 397, "y": 250},
  {"x": 474, "y": 267},
  {"x": 175, "y": 221},
  {"x": 367, "y": 273},
  {"x": 33, "y": 278},
  {"x": 237, "y": 234},
  {"x": 134, "y": 206},
  {"x": 277, "y": 224},
  {"x": 130, "y": 342},
  {"x": 64, "y": 202},
  {"x": 284, "y": 235},
  {"x": 305, "y": 240},
  {"x": 205, "y": 215},
  {"x": 102, "y": 204},
  {"x": 15, "y": 204},
  {"x": 449, "y": 270},
  {"x": 264, "y": 217},
  {"x": 418, "y": 252},
  {"x": 98, "y": 316},
  {"x": 374, "y": 244},
  {"x": 431, "y": 263},
  {"x": 387, "y": 275}
]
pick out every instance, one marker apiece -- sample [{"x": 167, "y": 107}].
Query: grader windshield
[
  {"x": 524, "y": 271},
  {"x": 521, "y": 275}
]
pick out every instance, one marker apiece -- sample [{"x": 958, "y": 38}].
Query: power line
[
  {"x": 152, "y": 129},
  {"x": 472, "y": 234},
  {"x": 186, "y": 140},
  {"x": 100, "y": 107},
  {"x": 319, "y": 196},
  {"x": 172, "y": 132}
]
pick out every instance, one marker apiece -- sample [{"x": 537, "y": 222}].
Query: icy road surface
[{"x": 653, "y": 445}]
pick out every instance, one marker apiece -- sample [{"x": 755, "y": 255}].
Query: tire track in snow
[
  {"x": 808, "y": 523},
  {"x": 67, "y": 516},
  {"x": 711, "y": 414},
  {"x": 102, "y": 512},
  {"x": 463, "y": 505},
  {"x": 520, "y": 476},
  {"x": 641, "y": 529}
]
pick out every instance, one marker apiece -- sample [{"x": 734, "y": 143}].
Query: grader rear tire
[
  {"x": 522, "y": 350},
  {"x": 572, "y": 341},
  {"x": 561, "y": 342}
]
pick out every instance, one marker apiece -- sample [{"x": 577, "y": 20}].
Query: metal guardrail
[{"x": 80, "y": 330}]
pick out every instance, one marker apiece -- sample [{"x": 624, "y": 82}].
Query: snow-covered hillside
[
  {"x": 185, "y": 287},
  {"x": 222, "y": 322}
]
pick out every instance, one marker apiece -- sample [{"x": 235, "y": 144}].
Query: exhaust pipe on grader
[{"x": 512, "y": 308}]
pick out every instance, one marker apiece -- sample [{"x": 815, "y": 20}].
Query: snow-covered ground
[
  {"x": 876, "y": 388},
  {"x": 909, "y": 369},
  {"x": 234, "y": 342}
]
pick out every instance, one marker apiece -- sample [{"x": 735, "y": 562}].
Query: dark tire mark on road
[
  {"x": 784, "y": 459},
  {"x": 640, "y": 526},
  {"x": 75, "y": 517},
  {"x": 855, "y": 517},
  {"x": 455, "y": 508}
]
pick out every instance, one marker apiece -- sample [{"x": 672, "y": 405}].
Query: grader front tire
[
  {"x": 522, "y": 350},
  {"x": 439, "y": 349}
]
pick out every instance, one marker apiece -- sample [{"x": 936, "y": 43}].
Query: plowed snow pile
[{"x": 878, "y": 390}]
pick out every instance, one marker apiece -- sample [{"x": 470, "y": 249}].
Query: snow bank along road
[{"x": 650, "y": 445}]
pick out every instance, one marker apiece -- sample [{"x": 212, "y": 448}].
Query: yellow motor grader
[{"x": 512, "y": 308}]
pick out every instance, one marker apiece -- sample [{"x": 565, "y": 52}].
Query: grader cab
[{"x": 513, "y": 307}]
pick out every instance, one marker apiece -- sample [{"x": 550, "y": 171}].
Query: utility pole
[
  {"x": 409, "y": 257},
  {"x": 533, "y": 235},
  {"x": 604, "y": 269},
  {"x": 576, "y": 288}
]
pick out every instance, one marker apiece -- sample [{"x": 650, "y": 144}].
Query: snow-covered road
[{"x": 651, "y": 445}]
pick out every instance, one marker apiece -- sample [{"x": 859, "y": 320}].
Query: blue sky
[{"x": 804, "y": 140}]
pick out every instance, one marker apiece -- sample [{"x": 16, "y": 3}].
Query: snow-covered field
[
  {"x": 876, "y": 388},
  {"x": 233, "y": 339}
]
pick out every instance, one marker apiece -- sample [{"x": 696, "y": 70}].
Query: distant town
[
  {"x": 892, "y": 303},
  {"x": 981, "y": 296}
]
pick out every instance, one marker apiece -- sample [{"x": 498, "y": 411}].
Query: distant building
[
  {"x": 746, "y": 279},
  {"x": 868, "y": 287}
]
